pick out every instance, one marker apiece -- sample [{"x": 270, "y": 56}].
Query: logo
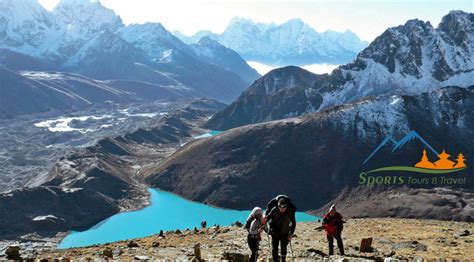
[{"x": 406, "y": 174}]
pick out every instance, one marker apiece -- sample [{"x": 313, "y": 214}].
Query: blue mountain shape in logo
[{"x": 399, "y": 144}]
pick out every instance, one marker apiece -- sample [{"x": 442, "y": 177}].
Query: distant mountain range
[
  {"x": 291, "y": 43},
  {"x": 407, "y": 59},
  {"x": 84, "y": 37}
]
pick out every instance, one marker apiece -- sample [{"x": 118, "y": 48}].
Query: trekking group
[{"x": 279, "y": 222}]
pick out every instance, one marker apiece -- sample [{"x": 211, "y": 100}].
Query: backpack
[
  {"x": 252, "y": 216},
  {"x": 274, "y": 202}
]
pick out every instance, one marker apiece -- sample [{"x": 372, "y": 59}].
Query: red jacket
[{"x": 332, "y": 224}]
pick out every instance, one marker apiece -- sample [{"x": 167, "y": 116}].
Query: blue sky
[{"x": 367, "y": 18}]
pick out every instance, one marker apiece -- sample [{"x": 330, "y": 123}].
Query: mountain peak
[
  {"x": 78, "y": 2},
  {"x": 283, "y": 78},
  {"x": 295, "y": 21},
  {"x": 85, "y": 17},
  {"x": 459, "y": 17},
  {"x": 21, "y": 6},
  {"x": 418, "y": 25},
  {"x": 458, "y": 25},
  {"x": 295, "y": 25},
  {"x": 208, "y": 41},
  {"x": 239, "y": 20},
  {"x": 287, "y": 70},
  {"x": 150, "y": 27},
  {"x": 348, "y": 32}
]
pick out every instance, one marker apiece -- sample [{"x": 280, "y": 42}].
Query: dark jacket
[
  {"x": 333, "y": 225},
  {"x": 281, "y": 224}
]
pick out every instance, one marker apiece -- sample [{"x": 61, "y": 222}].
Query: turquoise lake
[
  {"x": 166, "y": 212},
  {"x": 209, "y": 134}
]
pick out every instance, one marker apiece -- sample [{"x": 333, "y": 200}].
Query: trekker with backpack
[
  {"x": 282, "y": 225},
  {"x": 333, "y": 225},
  {"x": 254, "y": 225}
]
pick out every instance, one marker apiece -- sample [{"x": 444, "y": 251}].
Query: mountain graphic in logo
[
  {"x": 442, "y": 166},
  {"x": 413, "y": 135}
]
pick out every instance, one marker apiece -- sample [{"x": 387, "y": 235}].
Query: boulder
[
  {"x": 366, "y": 245},
  {"x": 141, "y": 258},
  {"x": 13, "y": 252},
  {"x": 462, "y": 233},
  {"x": 197, "y": 251},
  {"x": 410, "y": 244},
  {"x": 235, "y": 257},
  {"x": 238, "y": 224},
  {"x": 107, "y": 253},
  {"x": 132, "y": 243}
]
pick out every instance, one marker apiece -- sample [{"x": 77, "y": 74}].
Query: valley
[
  {"x": 112, "y": 130},
  {"x": 31, "y": 144}
]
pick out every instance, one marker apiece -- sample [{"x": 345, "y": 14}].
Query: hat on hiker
[
  {"x": 257, "y": 211},
  {"x": 282, "y": 202},
  {"x": 332, "y": 208}
]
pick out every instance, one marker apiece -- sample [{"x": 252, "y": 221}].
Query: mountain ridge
[
  {"x": 326, "y": 147},
  {"x": 408, "y": 59},
  {"x": 64, "y": 39},
  {"x": 291, "y": 43}
]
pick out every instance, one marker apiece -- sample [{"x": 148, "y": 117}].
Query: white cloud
[{"x": 314, "y": 68}]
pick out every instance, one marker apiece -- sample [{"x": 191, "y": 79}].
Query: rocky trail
[{"x": 392, "y": 240}]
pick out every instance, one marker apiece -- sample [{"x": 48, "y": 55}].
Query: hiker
[
  {"x": 254, "y": 225},
  {"x": 282, "y": 226},
  {"x": 274, "y": 202},
  {"x": 333, "y": 225},
  {"x": 203, "y": 224}
]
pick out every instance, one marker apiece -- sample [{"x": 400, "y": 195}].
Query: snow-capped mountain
[
  {"x": 107, "y": 56},
  {"x": 213, "y": 52},
  {"x": 293, "y": 42},
  {"x": 83, "y": 36},
  {"x": 281, "y": 93},
  {"x": 80, "y": 20},
  {"x": 25, "y": 26},
  {"x": 154, "y": 39},
  {"x": 408, "y": 59}
]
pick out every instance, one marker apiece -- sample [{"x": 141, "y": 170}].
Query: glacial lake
[
  {"x": 166, "y": 212},
  {"x": 209, "y": 134}
]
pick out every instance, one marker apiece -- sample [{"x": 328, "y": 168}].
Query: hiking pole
[
  {"x": 269, "y": 245},
  {"x": 292, "y": 254},
  {"x": 256, "y": 252}
]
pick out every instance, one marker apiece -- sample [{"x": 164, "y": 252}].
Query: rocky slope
[
  {"x": 394, "y": 239},
  {"x": 434, "y": 203},
  {"x": 291, "y": 43},
  {"x": 408, "y": 59},
  {"x": 215, "y": 53},
  {"x": 35, "y": 91},
  {"x": 325, "y": 153},
  {"x": 93, "y": 183},
  {"x": 32, "y": 143},
  {"x": 281, "y": 93}
]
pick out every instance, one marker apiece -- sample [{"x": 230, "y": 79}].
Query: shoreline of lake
[{"x": 146, "y": 221}]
